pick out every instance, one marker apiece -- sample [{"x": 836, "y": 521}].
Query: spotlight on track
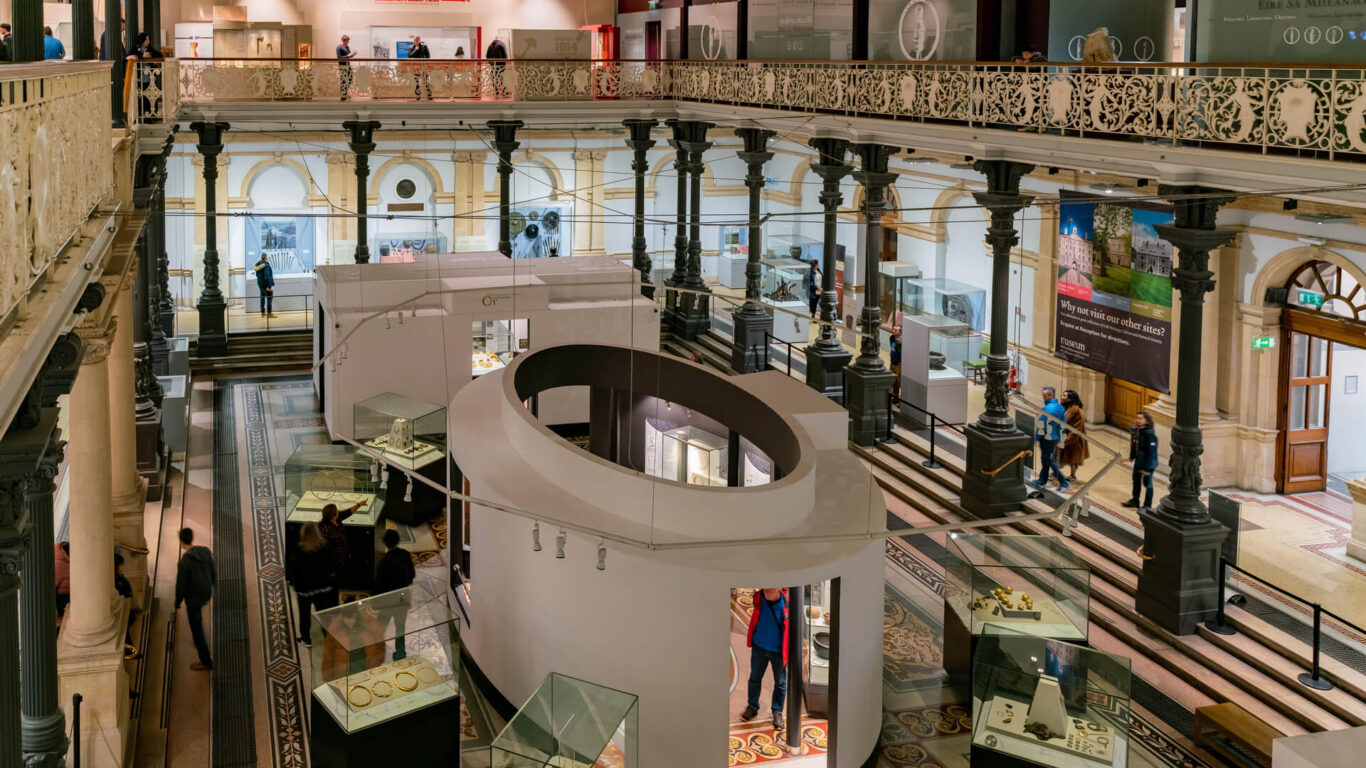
[
  {"x": 602, "y": 556},
  {"x": 536, "y": 537},
  {"x": 560, "y": 540}
]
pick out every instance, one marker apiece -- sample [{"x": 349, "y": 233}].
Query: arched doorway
[{"x": 1323, "y": 361}]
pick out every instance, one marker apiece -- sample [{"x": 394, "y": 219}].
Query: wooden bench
[{"x": 1238, "y": 726}]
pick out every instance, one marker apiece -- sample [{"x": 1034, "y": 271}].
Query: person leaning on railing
[{"x": 148, "y": 76}]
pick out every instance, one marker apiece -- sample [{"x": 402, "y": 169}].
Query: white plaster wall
[{"x": 1346, "y": 445}]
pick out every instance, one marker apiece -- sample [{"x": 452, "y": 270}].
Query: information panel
[
  {"x": 801, "y": 29},
  {"x": 922, "y": 30},
  {"x": 1115, "y": 290},
  {"x": 1281, "y": 31}
]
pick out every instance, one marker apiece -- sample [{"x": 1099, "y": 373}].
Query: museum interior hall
[{"x": 682, "y": 383}]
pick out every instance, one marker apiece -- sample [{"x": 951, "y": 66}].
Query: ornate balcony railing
[
  {"x": 156, "y": 92},
  {"x": 1322, "y": 109},
  {"x": 56, "y": 164}
]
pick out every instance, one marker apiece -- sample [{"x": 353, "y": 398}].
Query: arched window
[{"x": 1342, "y": 294}]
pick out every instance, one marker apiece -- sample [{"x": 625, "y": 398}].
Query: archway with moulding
[{"x": 405, "y": 221}]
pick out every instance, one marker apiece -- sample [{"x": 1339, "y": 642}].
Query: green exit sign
[
  {"x": 1264, "y": 342},
  {"x": 1310, "y": 299}
]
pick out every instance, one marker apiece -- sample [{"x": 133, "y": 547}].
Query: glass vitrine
[
  {"x": 385, "y": 657},
  {"x": 818, "y": 638},
  {"x": 1030, "y": 584},
  {"x": 734, "y": 255},
  {"x": 957, "y": 343},
  {"x": 319, "y": 475},
  {"x": 494, "y": 342},
  {"x": 784, "y": 281},
  {"x": 897, "y": 296},
  {"x": 797, "y": 247},
  {"x": 690, "y": 455},
  {"x": 960, "y": 302},
  {"x": 569, "y": 722},
  {"x": 409, "y": 432},
  {"x": 1037, "y": 701}
]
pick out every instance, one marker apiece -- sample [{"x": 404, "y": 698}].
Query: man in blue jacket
[
  {"x": 1049, "y": 431},
  {"x": 52, "y": 47},
  {"x": 265, "y": 281}
]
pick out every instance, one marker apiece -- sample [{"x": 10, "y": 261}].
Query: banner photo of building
[{"x": 1114, "y": 290}]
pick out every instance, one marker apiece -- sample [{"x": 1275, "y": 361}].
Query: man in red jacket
[{"x": 767, "y": 643}]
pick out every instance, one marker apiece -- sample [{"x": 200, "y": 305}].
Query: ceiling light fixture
[
  {"x": 602, "y": 555},
  {"x": 1111, "y": 189},
  {"x": 560, "y": 540},
  {"x": 536, "y": 537},
  {"x": 920, "y": 161},
  {"x": 408, "y": 492}
]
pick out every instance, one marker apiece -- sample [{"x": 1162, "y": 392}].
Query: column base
[
  {"x": 213, "y": 328},
  {"x": 693, "y": 317},
  {"x": 167, "y": 320},
  {"x": 825, "y": 369},
  {"x": 986, "y": 495},
  {"x": 150, "y": 448},
  {"x": 747, "y": 353},
  {"x": 865, "y": 396},
  {"x": 1179, "y": 586},
  {"x": 44, "y": 740},
  {"x": 98, "y": 673}
]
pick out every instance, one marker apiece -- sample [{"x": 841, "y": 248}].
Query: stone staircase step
[{"x": 1292, "y": 648}]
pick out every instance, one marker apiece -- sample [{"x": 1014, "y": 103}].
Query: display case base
[{"x": 423, "y": 737}]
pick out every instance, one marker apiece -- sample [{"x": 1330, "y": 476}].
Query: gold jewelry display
[
  {"x": 388, "y": 689},
  {"x": 336, "y": 485},
  {"x": 401, "y": 663},
  {"x": 351, "y": 696},
  {"x": 401, "y": 686}
]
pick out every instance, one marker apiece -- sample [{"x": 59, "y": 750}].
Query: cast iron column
[
  {"x": 130, "y": 39},
  {"x": 113, "y": 41},
  {"x": 165, "y": 302},
  {"x": 43, "y": 721},
  {"x": 27, "y": 43},
  {"x": 672, "y": 303},
  {"x": 994, "y": 481},
  {"x": 696, "y": 313},
  {"x": 752, "y": 321},
  {"x": 152, "y": 24},
  {"x": 505, "y": 141},
  {"x": 158, "y": 294},
  {"x": 146, "y": 389},
  {"x": 640, "y": 143},
  {"x": 796, "y": 631},
  {"x": 868, "y": 382},
  {"x": 362, "y": 141},
  {"x": 1179, "y": 585},
  {"x": 14, "y": 535},
  {"x": 83, "y": 30},
  {"x": 826, "y": 358},
  {"x": 213, "y": 328}
]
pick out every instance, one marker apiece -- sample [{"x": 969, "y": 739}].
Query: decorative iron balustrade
[
  {"x": 56, "y": 164},
  {"x": 155, "y": 92},
  {"x": 1271, "y": 107}
]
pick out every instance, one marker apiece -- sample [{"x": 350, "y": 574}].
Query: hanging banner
[{"x": 1114, "y": 290}]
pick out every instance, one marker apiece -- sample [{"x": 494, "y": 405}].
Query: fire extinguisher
[{"x": 1012, "y": 383}]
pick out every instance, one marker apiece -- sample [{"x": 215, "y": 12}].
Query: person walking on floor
[
  {"x": 53, "y": 49},
  {"x": 421, "y": 77},
  {"x": 767, "y": 641},
  {"x": 1143, "y": 451},
  {"x": 1048, "y": 431},
  {"x": 344, "y": 53},
  {"x": 265, "y": 283},
  {"x": 194, "y": 578},
  {"x": 392, "y": 598},
  {"x": 313, "y": 574},
  {"x": 1075, "y": 449}
]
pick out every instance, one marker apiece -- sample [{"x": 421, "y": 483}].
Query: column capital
[
  {"x": 96, "y": 342},
  {"x": 1003, "y": 176},
  {"x": 640, "y": 130},
  {"x": 505, "y": 135},
  {"x": 210, "y": 137},
  {"x": 361, "y": 135}
]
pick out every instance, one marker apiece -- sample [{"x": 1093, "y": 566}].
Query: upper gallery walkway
[{"x": 1176, "y": 122}]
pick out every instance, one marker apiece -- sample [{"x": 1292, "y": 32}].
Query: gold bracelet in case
[
  {"x": 388, "y": 689},
  {"x": 403, "y": 687},
  {"x": 351, "y": 696},
  {"x": 429, "y": 678}
]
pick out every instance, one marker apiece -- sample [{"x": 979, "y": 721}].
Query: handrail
[
  {"x": 1310, "y": 679},
  {"x": 1099, "y": 65},
  {"x": 890, "y": 438},
  {"x": 1009, "y": 461}
]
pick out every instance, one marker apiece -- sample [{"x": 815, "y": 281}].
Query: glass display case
[
  {"x": 896, "y": 295},
  {"x": 783, "y": 284},
  {"x": 318, "y": 475},
  {"x": 957, "y": 343},
  {"x": 962, "y": 303},
  {"x": 1031, "y": 584},
  {"x": 410, "y": 433},
  {"x": 570, "y": 723},
  {"x": 688, "y": 455},
  {"x": 797, "y": 247},
  {"x": 1037, "y": 701},
  {"x": 819, "y": 631},
  {"x": 494, "y": 342},
  {"x": 734, "y": 255},
  {"x": 386, "y": 666}
]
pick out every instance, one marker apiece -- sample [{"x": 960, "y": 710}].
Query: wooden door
[
  {"x": 1308, "y": 362},
  {"x": 1124, "y": 400}
]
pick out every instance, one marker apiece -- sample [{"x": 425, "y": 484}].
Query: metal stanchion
[
  {"x": 1311, "y": 679},
  {"x": 1219, "y": 626}
]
